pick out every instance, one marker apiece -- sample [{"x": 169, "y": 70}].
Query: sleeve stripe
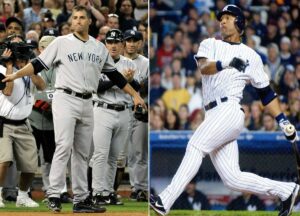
[
  {"x": 44, "y": 65},
  {"x": 109, "y": 70}
]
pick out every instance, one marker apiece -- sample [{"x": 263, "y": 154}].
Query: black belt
[
  {"x": 116, "y": 107},
  {"x": 77, "y": 94},
  {"x": 11, "y": 122},
  {"x": 213, "y": 104}
]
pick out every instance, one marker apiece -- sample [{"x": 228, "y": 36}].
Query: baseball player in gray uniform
[
  {"x": 112, "y": 111},
  {"x": 138, "y": 143},
  {"x": 226, "y": 66},
  {"x": 79, "y": 59}
]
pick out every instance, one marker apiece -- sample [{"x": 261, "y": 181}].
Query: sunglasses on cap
[{"x": 113, "y": 15}]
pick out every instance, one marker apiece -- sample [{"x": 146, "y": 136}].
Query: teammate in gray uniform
[
  {"x": 138, "y": 143},
  {"x": 80, "y": 59},
  {"x": 112, "y": 111}
]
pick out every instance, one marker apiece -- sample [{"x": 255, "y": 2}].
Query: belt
[
  {"x": 11, "y": 122},
  {"x": 213, "y": 104},
  {"x": 77, "y": 94},
  {"x": 116, "y": 107}
]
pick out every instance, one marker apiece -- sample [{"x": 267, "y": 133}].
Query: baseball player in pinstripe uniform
[
  {"x": 79, "y": 59},
  {"x": 138, "y": 142},
  {"x": 112, "y": 110},
  {"x": 226, "y": 65}
]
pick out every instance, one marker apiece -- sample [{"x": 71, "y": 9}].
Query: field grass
[
  {"x": 222, "y": 213},
  {"x": 129, "y": 206}
]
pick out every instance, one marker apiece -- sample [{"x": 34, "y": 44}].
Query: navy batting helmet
[
  {"x": 114, "y": 34},
  {"x": 235, "y": 11}
]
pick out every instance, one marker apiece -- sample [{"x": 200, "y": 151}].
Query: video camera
[{"x": 20, "y": 50}]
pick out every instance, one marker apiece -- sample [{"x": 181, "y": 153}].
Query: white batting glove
[
  {"x": 225, "y": 63},
  {"x": 289, "y": 130}
]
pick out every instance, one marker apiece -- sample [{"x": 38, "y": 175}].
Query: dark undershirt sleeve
[
  {"x": 117, "y": 78},
  {"x": 38, "y": 66},
  {"x": 104, "y": 85}
]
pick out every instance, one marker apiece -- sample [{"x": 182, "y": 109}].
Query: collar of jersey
[
  {"x": 79, "y": 38},
  {"x": 232, "y": 43}
]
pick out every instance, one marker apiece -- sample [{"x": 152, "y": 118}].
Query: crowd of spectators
[
  {"x": 178, "y": 27},
  {"x": 35, "y": 17}
]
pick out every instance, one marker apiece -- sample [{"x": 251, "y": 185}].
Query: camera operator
[{"x": 16, "y": 137}]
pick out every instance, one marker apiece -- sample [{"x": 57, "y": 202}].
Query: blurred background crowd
[
  {"x": 178, "y": 27},
  {"x": 34, "y": 18}
]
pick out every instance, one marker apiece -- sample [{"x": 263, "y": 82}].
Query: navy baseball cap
[
  {"x": 16, "y": 20},
  {"x": 128, "y": 34},
  {"x": 114, "y": 35},
  {"x": 235, "y": 11},
  {"x": 51, "y": 32}
]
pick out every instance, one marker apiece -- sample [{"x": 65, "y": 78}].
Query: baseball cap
[
  {"x": 46, "y": 40},
  {"x": 51, "y": 32},
  {"x": 114, "y": 34},
  {"x": 290, "y": 68},
  {"x": 33, "y": 43},
  {"x": 14, "y": 19},
  {"x": 128, "y": 34},
  {"x": 156, "y": 70}
]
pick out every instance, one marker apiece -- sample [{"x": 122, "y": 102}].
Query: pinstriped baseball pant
[{"x": 217, "y": 136}]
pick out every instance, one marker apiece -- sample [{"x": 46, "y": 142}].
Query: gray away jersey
[
  {"x": 115, "y": 95},
  {"x": 230, "y": 82},
  {"x": 142, "y": 64},
  {"x": 78, "y": 63}
]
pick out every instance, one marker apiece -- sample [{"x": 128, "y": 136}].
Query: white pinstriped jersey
[
  {"x": 115, "y": 95},
  {"x": 230, "y": 82},
  {"x": 78, "y": 63}
]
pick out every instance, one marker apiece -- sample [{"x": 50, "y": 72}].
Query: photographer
[{"x": 16, "y": 101}]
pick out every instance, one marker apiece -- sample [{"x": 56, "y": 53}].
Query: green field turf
[
  {"x": 129, "y": 206},
  {"x": 222, "y": 213}
]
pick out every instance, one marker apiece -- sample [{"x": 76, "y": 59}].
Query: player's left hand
[{"x": 289, "y": 130}]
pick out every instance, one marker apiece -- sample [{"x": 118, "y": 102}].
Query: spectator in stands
[
  {"x": 125, "y": 10},
  {"x": 274, "y": 62},
  {"x": 64, "y": 28},
  {"x": 48, "y": 21},
  {"x": 297, "y": 72},
  {"x": 176, "y": 96},
  {"x": 196, "y": 101},
  {"x": 66, "y": 11},
  {"x": 165, "y": 52},
  {"x": 258, "y": 26},
  {"x": 196, "y": 118},
  {"x": 272, "y": 35},
  {"x": 54, "y": 6},
  {"x": 156, "y": 90},
  {"x": 166, "y": 78},
  {"x": 9, "y": 10},
  {"x": 14, "y": 26},
  {"x": 288, "y": 81},
  {"x": 102, "y": 33},
  {"x": 113, "y": 21},
  {"x": 38, "y": 27},
  {"x": 143, "y": 28},
  {"x": 176, "y": 65},
  {"x": 156, "y": 123},
  {"x": 247, "y": 202},
  {"x": 183, "y": 115},
  {"x": 32, "y": 35},
  {"x": 192, "y": 199},
  {"x": 294, "y": 115},
  {"x": 283, "y": 103},
  {"x": 172, "y": 120},
  {"x": 2, "y": 32},
  {"x": 295, "y": 44},
  {"x": 256, "y": 116},
  {"x": 282, "y": 27},
  {"x": 285, "y": 51},
  {"x": 269, "y": 124},
  {"x": 33, "y": 13}
]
